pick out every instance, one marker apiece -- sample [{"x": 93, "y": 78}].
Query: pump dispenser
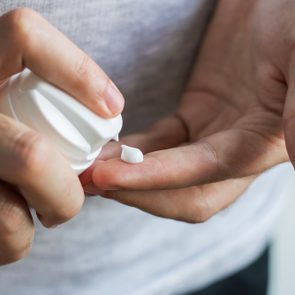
[{"x": 78, "y": 132}]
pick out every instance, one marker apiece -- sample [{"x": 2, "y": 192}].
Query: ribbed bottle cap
[{"x": 77, "y": 131}]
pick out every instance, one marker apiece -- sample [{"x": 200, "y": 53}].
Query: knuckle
[
  {"x": 209, "y": 151},
  {"x": 74, "y": 202},
  {"x": 31, "y": 148},
  {"x": 59, "y": 217},
  {"x": 14, "y": 244},
  {"x": 198, "y": 215},
  {"x": 82, "y": 69},
  {"x": 198, "y": 209},
  {"x": 18, "y": 25},
  {"x": 105, "y": 85},
  {"x": 12, "y": 217},
  {"x": 219, "y": 167},
  {"x": 10, "y": 221},
  {"x": 86, "y": 72},
  {"x": 61, "y": 213},
  {"x": 20, "y": 22},
  {"x": 15, "y": 254},
  {"x": 68, "y": 212}
]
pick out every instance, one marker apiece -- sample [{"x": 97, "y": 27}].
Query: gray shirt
[{"x": 148, "y": 48}]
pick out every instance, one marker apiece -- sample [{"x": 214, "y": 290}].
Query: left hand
[
  {"x": 232, "y": 123},
  {"x": 140, "y": 185}
]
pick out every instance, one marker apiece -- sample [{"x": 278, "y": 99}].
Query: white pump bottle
[{"x": 78, "y": 132}]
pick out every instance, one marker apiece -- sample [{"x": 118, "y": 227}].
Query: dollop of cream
[{"x": 131, "y": 155}]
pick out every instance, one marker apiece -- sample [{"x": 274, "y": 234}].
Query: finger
[
  {"x": 28, "y": 40},
  {"x": 232, "y": 153},
  {"x": 16, "y": 225},
  {"x": 289, "y": 118},
  {"x": 194, "y": 204},
  {"x": 166, "y": 133},
  {"x": 45, "y": 178}
]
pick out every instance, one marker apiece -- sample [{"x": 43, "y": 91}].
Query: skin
[
  {"x": 27, "y": 178},
  {"x": 235, "y": 120}
]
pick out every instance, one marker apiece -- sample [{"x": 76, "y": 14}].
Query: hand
[
  {"x": 236, "y": 108},
  {"x": 32, "y": 173}
]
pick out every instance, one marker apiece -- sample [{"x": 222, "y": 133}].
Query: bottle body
[{"x": 77, "y": 132}]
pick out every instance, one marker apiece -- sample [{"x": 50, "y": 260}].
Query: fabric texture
[
  {"x": 148, "y": 48},
  {"x": 252, "y": 280}
]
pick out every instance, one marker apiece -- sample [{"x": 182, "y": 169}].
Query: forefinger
[
  {"x": 28, "y": 40},
  {"x": 229, "y": 154}
]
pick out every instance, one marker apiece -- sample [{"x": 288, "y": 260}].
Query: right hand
[{"x": 32, "y": 172}]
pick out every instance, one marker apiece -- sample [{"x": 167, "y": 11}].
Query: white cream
[{"x": 131, "y": 155}]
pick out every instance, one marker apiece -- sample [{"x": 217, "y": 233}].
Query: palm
[
  {"x": 243, "y": 132},
  {"x": 232, "y": 111}
]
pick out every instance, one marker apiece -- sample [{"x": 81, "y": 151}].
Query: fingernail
[{"x": 114, "y": 99}]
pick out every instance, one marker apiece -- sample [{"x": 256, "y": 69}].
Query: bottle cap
[{"x": 77, "y": 131}]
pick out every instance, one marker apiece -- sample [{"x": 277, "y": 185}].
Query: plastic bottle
[{"x": 78, "y": 132}]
